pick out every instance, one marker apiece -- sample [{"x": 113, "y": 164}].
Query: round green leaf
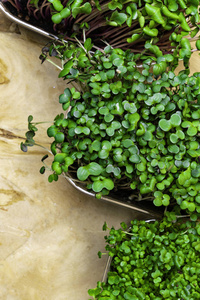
[
  {"x": 180, "y": 134},
  {"x": 108, "y": 118},
  {"x": 155, "y": 13},
  {"x": 165, "y": 125},
  {"x": 107, "y": 65},
  {"x": 173, "y": 138},
  {"x": 56, "y": 18},
  {"x": 60, "y": 157},
  {"x": 117, "y": 171},
  {"x": 52, "y": 131},
  {"x": 196, "y": 172},
  {"x": 86, "y": 130},
  {"x": 108, "y": 184},
  {"x": 141, "y": 167},
  {"x": 129, "y": 169},
  {"x": 197, "y": 199},
  {"x": 59, "y": 137},
  {"x": 116, "y": 125},
  {"x": 135, "y": 158},
  {"x": 157, "y": 202},
  {"x": 166, "y": 199},
  {"x": 77, "y": 114},
  {"x": 118, "y": 62},
  {"x": 66, "y": 68},
  {"x": 97, "y": 186},
  {"x": 191, "y": 207},
  {"x": 103, "y": 154},
  {"x": 110, "y": 169},
  {"x": 83, "y": 173},
  {"x": 127, "y": 143},
  {"x": 175, "y": 120},
  {"x": 66, "y": 96},
  {"x": 118, "y": 18},
  {"x": 94, "y": 168},
  {"x": 186, "y": 163},
  {"x": 173, "y": 149},
  {"x": 125, "y": 124},
  {"x": 103, "y": 110},
  {"x": 192, "y": 131},
  {"x": 106, "y": 145},
  {"x": 121, "y": 70},
  {"x": 56, "y": 167},
  {"x": 110, "y": 131},
  {"x": 96, "y": 145},
  {"x": 196, "y": 114}
]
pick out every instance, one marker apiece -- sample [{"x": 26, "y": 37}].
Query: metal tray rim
[
  {"x": 27, "y": 25},
  {"x": 133, "y": 206}
]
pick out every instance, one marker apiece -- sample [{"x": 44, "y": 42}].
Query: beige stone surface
[{"x": 49, "y": 233}]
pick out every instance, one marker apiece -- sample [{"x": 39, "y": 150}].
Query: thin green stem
[
  {"x": 50, "y": 61},
  {"x": 36, "y": 144}
]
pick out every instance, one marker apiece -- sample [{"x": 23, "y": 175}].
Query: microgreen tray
[
  {"x": 144, "y": 207},
  {"x": 25, "y": 24}
]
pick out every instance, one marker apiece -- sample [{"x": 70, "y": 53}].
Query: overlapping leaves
[
  {"x": 142, "y": 22},
  {"x": 149, "y": 259},
  {"x": 141, "y": 130}
]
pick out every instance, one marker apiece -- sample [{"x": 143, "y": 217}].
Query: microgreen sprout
[
  {"x": 30, "y": 134},
  {"x": 122, "y": 24},
  {"x": 153, "y": 260},
  {"x": 128, "y": 129}
]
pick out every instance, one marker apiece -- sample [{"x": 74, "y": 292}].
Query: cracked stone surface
[{"x": 49, "y": 233}]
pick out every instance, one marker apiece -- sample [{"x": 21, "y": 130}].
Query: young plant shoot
[
  {"x": 152, "y": 260},
  {"x": 131, "y": 130}
]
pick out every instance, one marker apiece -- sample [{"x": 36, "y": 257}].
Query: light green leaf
[
  {"x": 83, "y": 173},
  {"x": 66, "y": 69},
  {"x": 155, "y": 13},
  {"x": 94, "y": 168},
  {"x": 118, "y": 18},
  {"x": 175, "y": 120},
  {"x": 165, "y": 125}
]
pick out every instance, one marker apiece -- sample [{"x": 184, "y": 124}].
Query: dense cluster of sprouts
[{"x": 121, "y": 24}]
